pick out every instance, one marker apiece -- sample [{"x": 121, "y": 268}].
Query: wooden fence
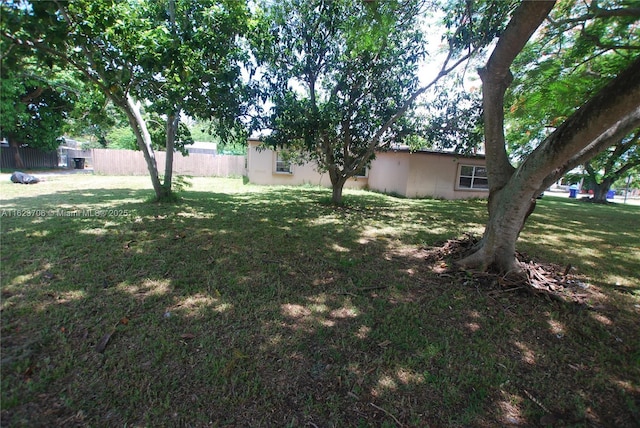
[
  {"x": 131, "y": 162},
  {"x": 32, "y": 158},
  {"x": 68, "y": 157}
]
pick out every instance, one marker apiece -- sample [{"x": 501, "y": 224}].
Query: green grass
[{"x": 266, "y": 306}]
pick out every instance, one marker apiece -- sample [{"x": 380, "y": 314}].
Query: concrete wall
[
  {"x": 261, "y": 169},
  {"x": 417, "y": 174},
  {"x": 436, "y": 175},
  {"x": 389, "y": 173}
]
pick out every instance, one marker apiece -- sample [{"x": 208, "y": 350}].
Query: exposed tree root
[
  {"x": 593, "y": 200},
  {"x": 545, "y": 279}
]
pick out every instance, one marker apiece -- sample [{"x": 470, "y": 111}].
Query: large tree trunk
[
  {"x": 609, "y": 115},
  {"x": 337, "y": 184},
  {"x": 601, "y": 189},
  {"x": 172, "y": 130},
  {"x": 509, "y": 209},
  {"x": 508, "y": 205},
  {"x": 143, "y": 138},
  {"x": 15, "y": 149}
]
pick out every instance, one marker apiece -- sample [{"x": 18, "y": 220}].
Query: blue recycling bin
[
  {"x": 611, "y": 194},
  {"x": 573, "y": 191}
]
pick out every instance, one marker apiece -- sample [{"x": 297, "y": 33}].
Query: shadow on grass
[
  {"x": 596, "y": 238},
  {"x": 276, "y": 309}
]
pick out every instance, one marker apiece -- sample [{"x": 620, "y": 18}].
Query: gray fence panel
[{"x": 32, "y": 158}]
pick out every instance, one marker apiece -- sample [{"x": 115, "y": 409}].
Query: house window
[
  {"x": 473, "y": 177},
  {"x": 361, "y": 173},
  {"x": 283, "y": 165}
]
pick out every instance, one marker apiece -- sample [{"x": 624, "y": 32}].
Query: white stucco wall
[
  {"x": 261, "y": 169},
  {"x": 437, "y": 175},
  {"x": 389, "y": 172},
  {"x": 421, "y": 174},
  {"x": 418, "y": 174}
]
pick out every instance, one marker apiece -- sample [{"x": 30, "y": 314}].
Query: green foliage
[
  {"x": 454, "y": 120},
  {"x": 233, "y": 143},
  {"x": 94, "y": 144},
  {"x": 181, "y": 183},
  {"x": 40, "y": 119},
  {"x": 632, "y": 179},
  {"x": 192, "y": 60},
  {"x": 121, "y": 138},
  {"x": 575, "y": 55},
  {"x": 237, "y": 149},
  {"x": 94, "y": 116},
  {"x": 176, "y": 55},
  {"x": 337, "y": 73},
  {"x": 582, "y": 47},
  {"x": 34, "y": 101},
  {"x": 158, "y": 132},
  {"x": 615, "y": 163},
  {"x": 203, "y": 131},
  {"x": 474, "y": 24}
]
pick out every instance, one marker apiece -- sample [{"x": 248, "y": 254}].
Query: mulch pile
[{"x": 549, "y": 280}]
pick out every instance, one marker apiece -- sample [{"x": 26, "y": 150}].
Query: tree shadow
[
  {"x": 587, "y": 236},
  {"x": 275, "y": 309}
]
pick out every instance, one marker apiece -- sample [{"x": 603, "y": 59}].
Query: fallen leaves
[
  {"x": 28, "y": 373},
  {"x": 102, "y": 345},
  {"x": 546, "y": 279},
  {"x": 104, "y": 341}
]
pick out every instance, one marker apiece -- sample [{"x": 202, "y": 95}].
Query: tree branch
[
  {"x": 597, "y": 12},
  {"x": 496, "y": 78},
  {"x": 64, "y": 57},
  {"x": 607, "y": 46},
  {"x": 28, "y": 98},
  {"x": 604, "y": 120},
  {"x": 402, "y": 110},
  {"x": 620, "y": 149}
]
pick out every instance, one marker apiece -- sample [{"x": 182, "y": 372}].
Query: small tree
[
  {"x": 612, "y": 165},
  {"x": 342, "y": 74},
  {"x": 35, "y": 102},
  {"x": 176, "y": 55},
  {"x": 194, "y": 68},
  {"x": 338, "y": 73}
]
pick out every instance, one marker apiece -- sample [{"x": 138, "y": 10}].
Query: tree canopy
[
  {"x": 574, "y": 57},
  {"x": 174, "y": 55},
  {"x": 337, "y": 73},
  {"x": 35, "y": 101},
  {"x": 611, "y": 110},
  {"x": 342, "y": 75},
  {"x": 583, "y": 46}
]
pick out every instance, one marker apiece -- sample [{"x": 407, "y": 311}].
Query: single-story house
[{"x": 403, "y": 172}]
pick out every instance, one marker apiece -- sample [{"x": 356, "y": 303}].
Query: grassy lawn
[{"x": 265, "y": 306}]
